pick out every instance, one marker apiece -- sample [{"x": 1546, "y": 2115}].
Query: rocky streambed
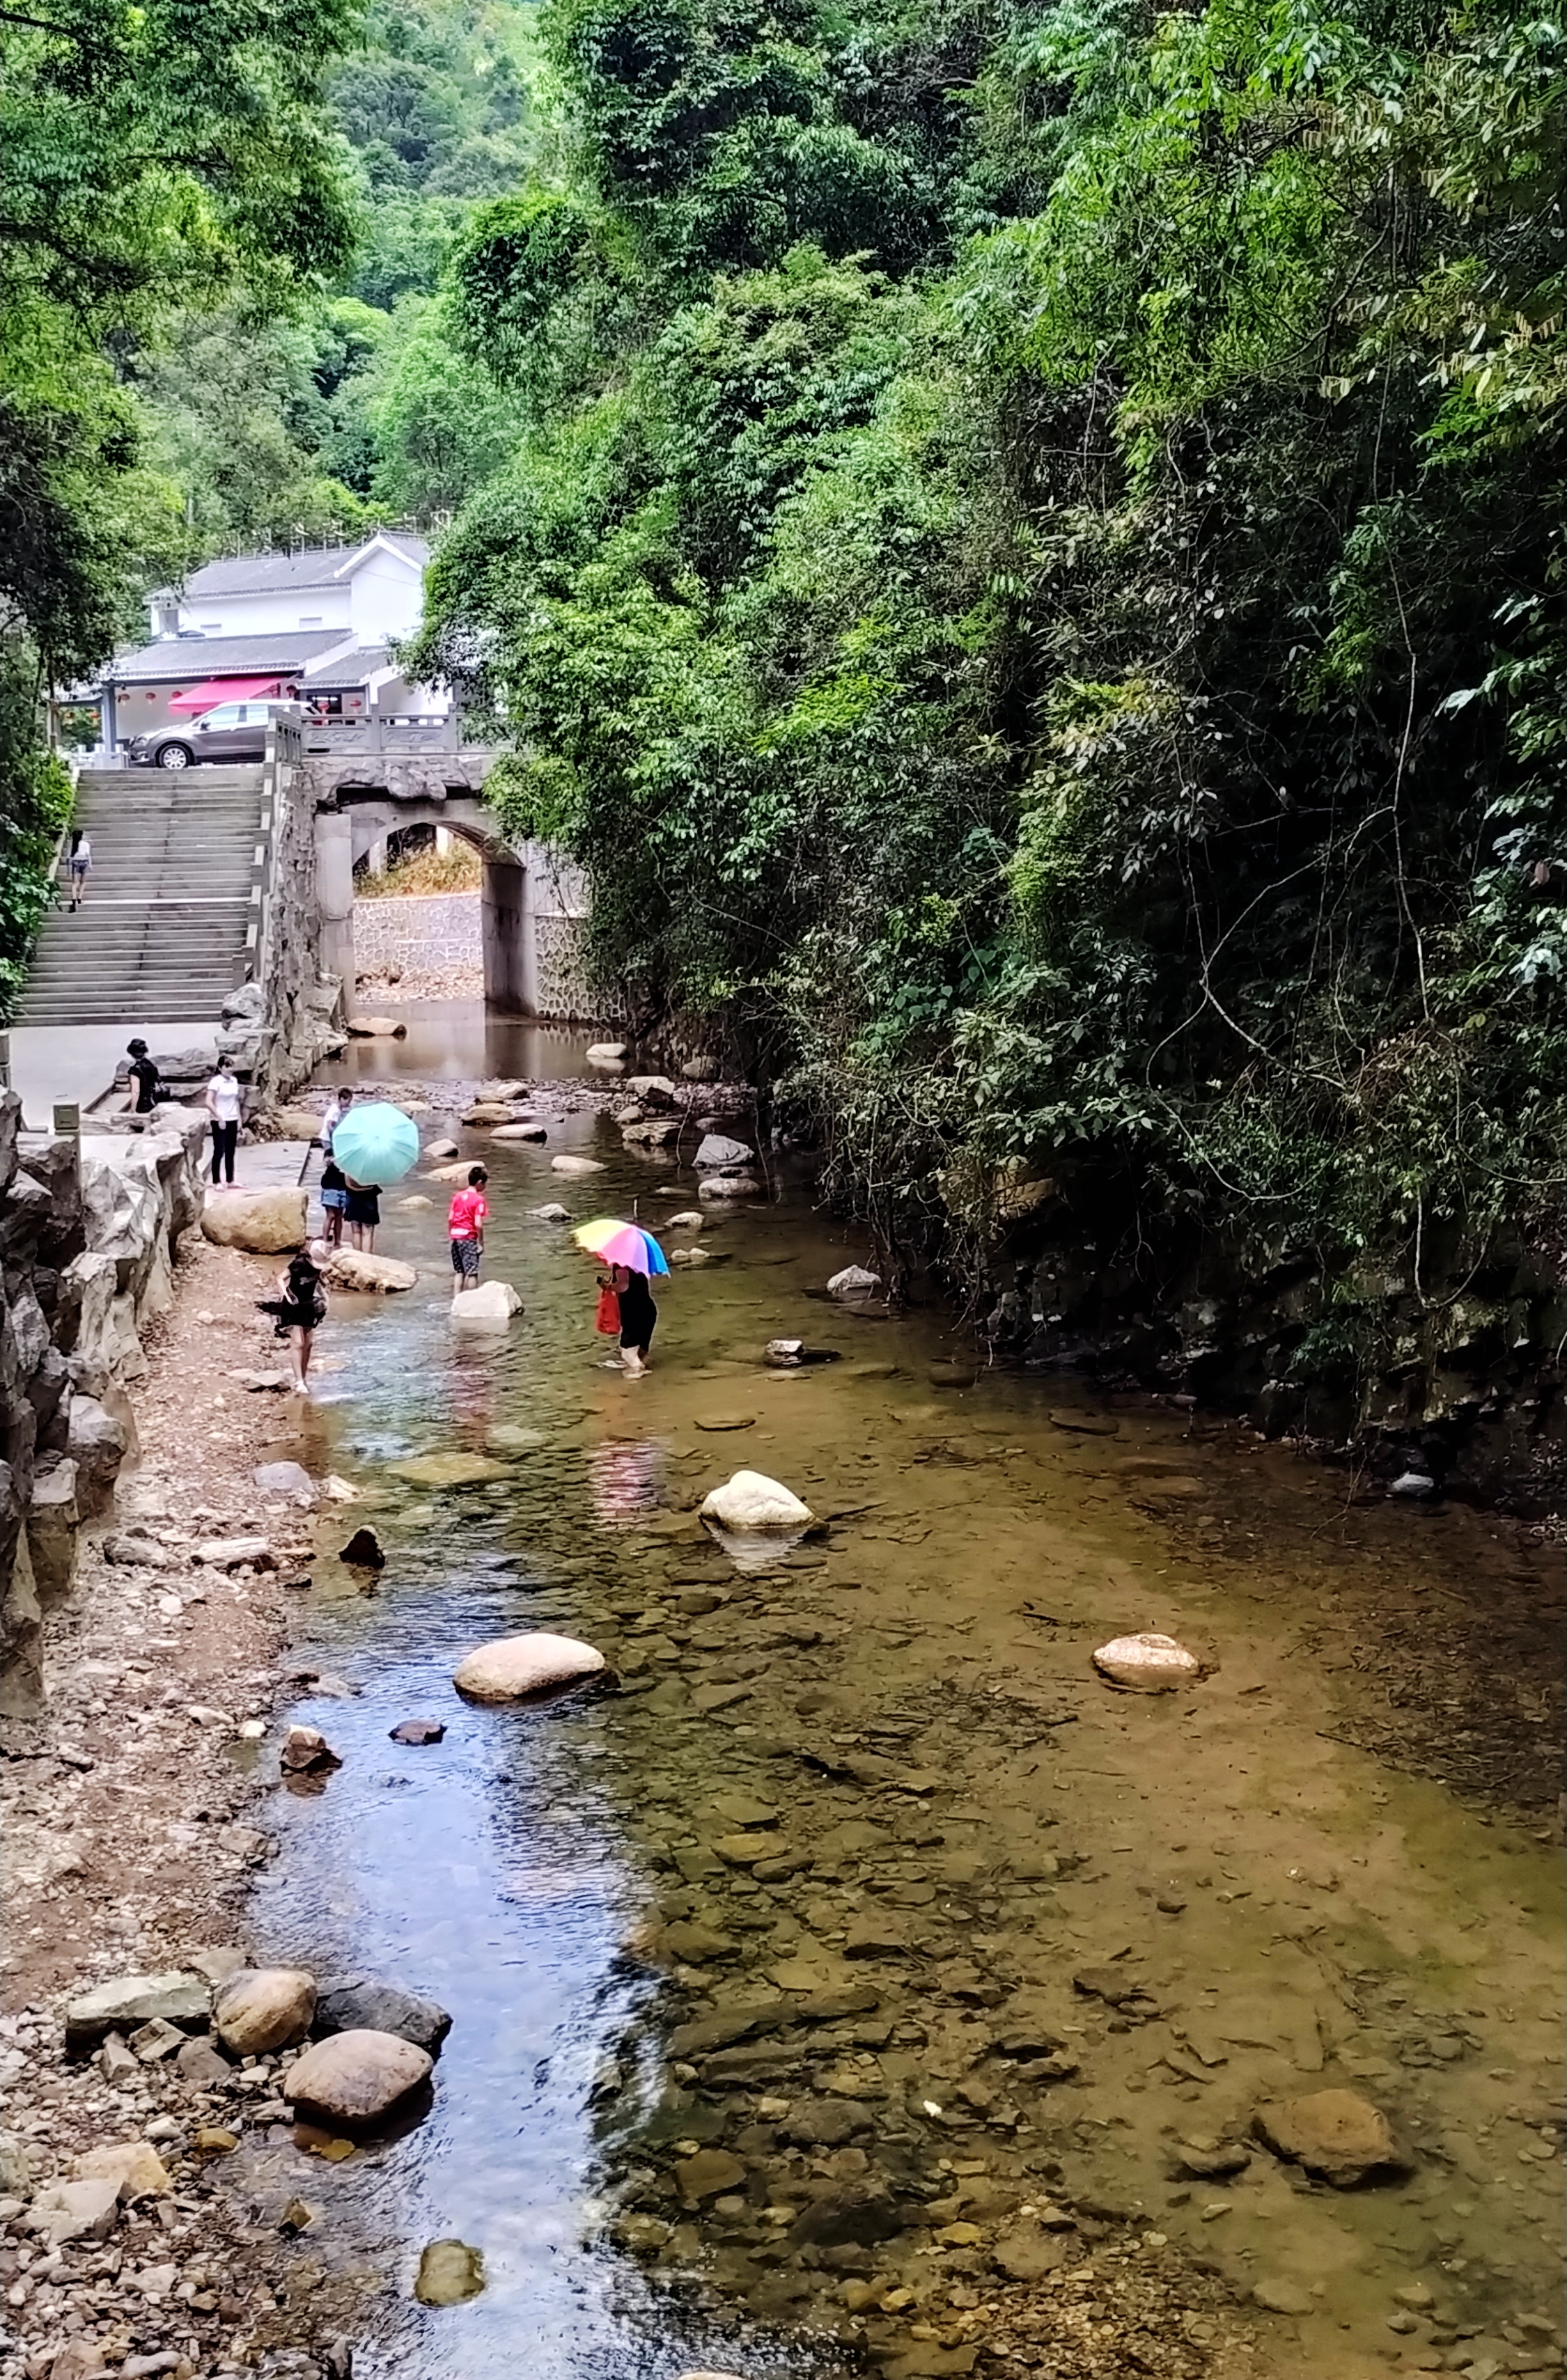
[{"x": 855, "y": 1980}]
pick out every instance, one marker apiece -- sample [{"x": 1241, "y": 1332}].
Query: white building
[
  {"x": 315, "y": 624},
  {"x": 372, "y": 592}
]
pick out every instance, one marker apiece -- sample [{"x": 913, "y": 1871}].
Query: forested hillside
[
  {"x": 353, "y": 405},
  {"x": 1020, "y": 545},
  {"x": 1033, "y": 580}
]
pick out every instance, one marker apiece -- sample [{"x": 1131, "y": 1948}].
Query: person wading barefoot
[
  {"x": 362, "y": 1213},
  {"x": 298, "y": 1312},
  {"x": 465, "y": 1219},
  {"x": 638, "y": 1317}
]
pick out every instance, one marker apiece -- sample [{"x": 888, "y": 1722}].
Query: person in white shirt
[
  {"x": 78, "y": 865},
  {"x": 226, "y": 1105}
]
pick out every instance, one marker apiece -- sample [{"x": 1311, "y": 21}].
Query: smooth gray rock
[
  {"x": 74, "y": 2210},
  {"x": 358, "y": 2004},
  {"x": 128, "y": 2001},
  {"x": 290, "y": 1480}
]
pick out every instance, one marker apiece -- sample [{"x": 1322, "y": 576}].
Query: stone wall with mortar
[
  {"x": 417, "y": 930},
  {"x": 88, "y": 1236},
  {"x": 278, "y": 1027}
]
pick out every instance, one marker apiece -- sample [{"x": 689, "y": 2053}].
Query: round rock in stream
[
  {"x": 263, "y": 2008},
  {"x": 352, "y": 2078},
  {"x": 752, "y": 1501},
  {"x": 1147, "y": 1663},
  {"x": 513, "y": 1668}
]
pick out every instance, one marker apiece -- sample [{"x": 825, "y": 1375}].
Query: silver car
[{"x": 232, "y": 731}]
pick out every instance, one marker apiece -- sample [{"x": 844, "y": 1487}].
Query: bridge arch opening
[{"x": 531, "y": 906}]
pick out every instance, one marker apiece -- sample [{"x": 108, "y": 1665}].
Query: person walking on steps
[
  {"x": 224, "y": 1105},
  {"x": 79, "y": 864},
  {"x": 298, "y": 1312},
  {"x": 143, "y": 1072},
  {"x": 465, "y": 1219}
]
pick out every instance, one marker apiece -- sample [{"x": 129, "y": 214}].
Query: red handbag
[{"x": 608, "y": 1319}]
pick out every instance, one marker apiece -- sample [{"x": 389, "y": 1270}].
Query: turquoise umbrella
[{"x": 375, "y": 1144}]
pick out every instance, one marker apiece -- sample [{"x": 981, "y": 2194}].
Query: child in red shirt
[{"x": 465, "y": 1223}]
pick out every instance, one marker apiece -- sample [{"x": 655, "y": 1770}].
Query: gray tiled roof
[
  {"x": 187, "y": 661},
  {"x": 347, "y": 669},
  {"x": 279, "y": 574}
]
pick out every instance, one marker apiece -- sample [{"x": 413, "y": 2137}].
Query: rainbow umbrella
[
  {"x": 622, "y": 1243},
  {"x": 375, "y": 1144}
]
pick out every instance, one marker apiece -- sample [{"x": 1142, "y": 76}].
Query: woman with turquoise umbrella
[
  {"x": 632, "y": 1255},
  {"x": 373, "y": 1146}
]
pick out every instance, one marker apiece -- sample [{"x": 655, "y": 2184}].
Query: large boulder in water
[
  {"x": 264, "y": 1221},
  {"x": 513, "y": 1668},
  {"x": 718, "y": 1154},
  {"x": 750, "y": 1502},
  {"x": 352, "y": 2078},
  {"x": 489, "y": 1307},
  {"x": 355, "y": 2004},
  {"x": 352, "y": 1268},
  {"x": 855, "y": 1281}
]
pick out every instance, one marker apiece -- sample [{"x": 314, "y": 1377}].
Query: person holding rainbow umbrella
[{"x": 632, "y": 1255}]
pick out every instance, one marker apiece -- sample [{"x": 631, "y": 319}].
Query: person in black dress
[
  {"x": 297, "y": 1312},
  {"x": 362, "y": 1213},
  {"x": 143, "y": 1072},
  {"x": 638, "y": 1317}
]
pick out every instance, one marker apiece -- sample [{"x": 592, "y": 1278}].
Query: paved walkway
[{"x": 78, "y": 1062}]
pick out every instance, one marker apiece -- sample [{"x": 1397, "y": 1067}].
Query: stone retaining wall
[
  {"x": 417, "y": 930},
  {"x": 87, "y": 1233}
]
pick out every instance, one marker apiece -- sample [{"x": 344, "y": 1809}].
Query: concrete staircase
[{"x": 173, "y": 892}]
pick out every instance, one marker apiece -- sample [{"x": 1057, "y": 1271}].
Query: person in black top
[
  {"x": 638, "y": 1317},
  {"x": 296, "y": 1311},
  {"x": 144, "y": 1074}
]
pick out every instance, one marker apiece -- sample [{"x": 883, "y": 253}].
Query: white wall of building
[
  {"x": 387, "y": 597},
  {"x": 383, "y": 597},
  {"x": 260, "y": 615}
]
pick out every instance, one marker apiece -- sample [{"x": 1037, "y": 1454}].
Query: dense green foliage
[
  {"x": 221, "y": 227},
  {"x": 151, "y": 156},
  {"x": 1034, "y": 583}
]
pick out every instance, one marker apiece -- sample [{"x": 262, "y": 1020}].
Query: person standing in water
[
  {"x": 79, "y": 864},
  {"x": 466, "y": 1218},
  {"x": 298, "y": 1312},
  {"x": 638, "y": 1317},
  {"x": 362, "y": 1213}
]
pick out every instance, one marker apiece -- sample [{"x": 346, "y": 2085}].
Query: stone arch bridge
[{"x": 533, "y": 902}]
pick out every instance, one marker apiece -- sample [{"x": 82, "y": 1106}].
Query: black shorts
[
  {"x": 364, "y": 1207},
  {"x": 464, "y": 1256}
]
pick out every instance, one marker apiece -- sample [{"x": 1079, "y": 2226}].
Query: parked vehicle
[{"x": 232, "y": 731}]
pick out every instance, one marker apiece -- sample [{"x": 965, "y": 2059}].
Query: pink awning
[{"x": 223, "y": 689}]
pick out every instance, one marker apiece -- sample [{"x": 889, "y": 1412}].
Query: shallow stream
[{"x": 965, "y": 1819}]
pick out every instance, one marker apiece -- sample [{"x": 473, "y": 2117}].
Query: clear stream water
[{"x": 1297, "y": 1914}]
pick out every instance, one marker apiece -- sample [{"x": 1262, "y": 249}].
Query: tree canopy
[{"x": 1033, "y": 581}]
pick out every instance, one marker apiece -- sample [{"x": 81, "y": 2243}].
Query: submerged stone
[
  {"x": 452, "y": 1469},
  {"x": 449, "y": 2273}
]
